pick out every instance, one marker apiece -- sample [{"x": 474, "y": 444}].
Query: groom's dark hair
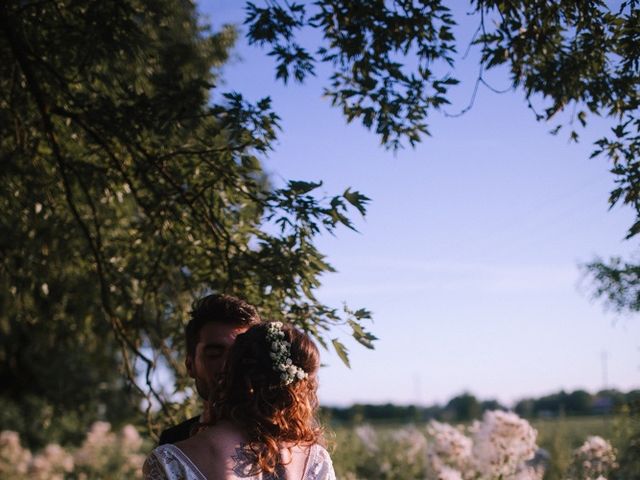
[{"x": 218, "y": 308}]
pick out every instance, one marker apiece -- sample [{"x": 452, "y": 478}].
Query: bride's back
[{"x": 222, "y": 452}]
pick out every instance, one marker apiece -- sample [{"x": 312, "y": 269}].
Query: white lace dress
[{"x": 168, "y": 462}]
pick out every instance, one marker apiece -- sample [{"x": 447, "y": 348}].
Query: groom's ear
[{"x": 188, "y": 362}]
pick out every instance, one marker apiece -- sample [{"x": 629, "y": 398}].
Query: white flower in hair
[{"x": 281, "y": 355}]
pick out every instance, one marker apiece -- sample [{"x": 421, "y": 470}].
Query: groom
[{"x": 216, "y": 321}]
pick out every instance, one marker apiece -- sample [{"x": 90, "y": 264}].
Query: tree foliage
[
  {"x": 363, "y": 42},
  {"x": 464, "y": 407},
  {"x": 130, "y": 186},
  {"x": 578, "y": 58}
]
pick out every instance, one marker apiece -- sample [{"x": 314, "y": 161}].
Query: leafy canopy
[
  {"x": 131, "y": 186},
  {"x": 579, "y": 58}
]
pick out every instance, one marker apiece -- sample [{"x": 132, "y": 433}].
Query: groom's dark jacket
[{"x": 178, "y": 433}]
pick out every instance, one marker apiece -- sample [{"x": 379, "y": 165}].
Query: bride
[{"x": 260, "y": 422}]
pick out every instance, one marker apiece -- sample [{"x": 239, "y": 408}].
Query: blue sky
[{"x": 468, "y": 256}]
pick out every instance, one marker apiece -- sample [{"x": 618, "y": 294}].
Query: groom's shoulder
[{"x": 180, "y": 432}]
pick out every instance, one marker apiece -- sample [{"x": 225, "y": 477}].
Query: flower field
[
  {"x": 104, "y": 454},
  {"x": 499, "y": 446}
]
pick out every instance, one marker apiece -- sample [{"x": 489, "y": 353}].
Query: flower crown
[{"x": 281, "y": 355}]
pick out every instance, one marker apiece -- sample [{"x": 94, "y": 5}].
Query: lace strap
[
  {"x": 319, "y": 465},
  {"x": 152, "y": 468},
  {"x": 168, "y": 462}
]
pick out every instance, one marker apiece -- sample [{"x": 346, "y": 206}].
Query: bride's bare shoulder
[{"x": 213, "y": 439}]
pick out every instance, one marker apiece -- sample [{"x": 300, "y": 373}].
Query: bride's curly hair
[{"x": 251, "y": 394}]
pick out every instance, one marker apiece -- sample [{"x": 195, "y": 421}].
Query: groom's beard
[{"x": 203, "y": 388}]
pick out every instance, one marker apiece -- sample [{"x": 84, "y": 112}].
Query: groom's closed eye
[{"x": 214, "y": 351}]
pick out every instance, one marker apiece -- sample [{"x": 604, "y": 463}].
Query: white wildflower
[
  {"x": 130, "y": 438},
  {"x": 412, "y": 443},
  {"x": 447, "y": 473},
  {"x": 594, "y": 459},
  {"x": 526, "y": 472},
  {"x": 502, "y": 442},
  {"x": 14, "y": 459},
  {"x": 368, "y": 436},
  {"x": 51, "y": 464},
  {"x": 449, "y": 444}
]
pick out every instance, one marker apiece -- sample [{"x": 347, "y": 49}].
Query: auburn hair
[{"x": 251, "y": 395}]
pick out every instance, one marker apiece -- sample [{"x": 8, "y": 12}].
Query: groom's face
[{"x": 214, "y": 341}]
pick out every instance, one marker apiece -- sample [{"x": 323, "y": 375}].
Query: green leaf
[
  {"x": 363, "y": 337},
  {"x": 362, "y": 313},
  {"x": 357, "y": 200},
  {"x": 300, "y": 187},
  {"x": 341, "y": 350},
  {"x": 582, "y": 117}
]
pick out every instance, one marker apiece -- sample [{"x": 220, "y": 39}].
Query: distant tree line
[
  {"x": 578, "y": 402},
  {"x": 466, "y": 407}
]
